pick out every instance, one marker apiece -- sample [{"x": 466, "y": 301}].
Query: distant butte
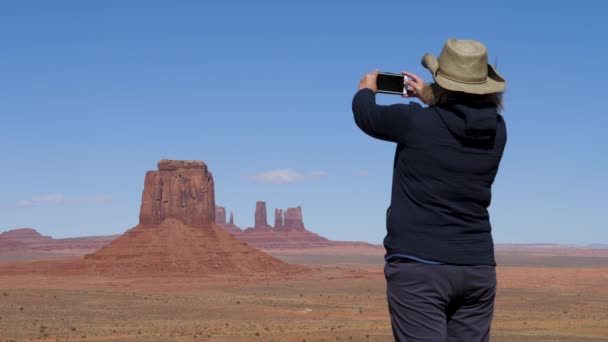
[
  {"x": 177, "y": 232},
  {"x": 220, "y": 220},
  {"x": 21, "y": 242},
  {"x": 288, "y": 232}
]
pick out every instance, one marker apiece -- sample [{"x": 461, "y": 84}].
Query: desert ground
[{"x": 544, "y": 295}]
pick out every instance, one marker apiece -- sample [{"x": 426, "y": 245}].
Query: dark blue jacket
[{"x": 446, "y": 160}]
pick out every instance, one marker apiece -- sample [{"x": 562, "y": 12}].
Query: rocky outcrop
[
  {"x": 261, "y": 216},
  {"x": 177, "y": 233},
  {"x": 181, "y": 190},
  {"x": 278, "y": 219},
  {"x": 220, "y": 215},
  {"x": 26, "y": 236},
  {"x": 288, "y": 231},
  {"x": 26, "y": 243},
  {"x": 220, "y": 220},
  {"x": 293, "y": 219}
]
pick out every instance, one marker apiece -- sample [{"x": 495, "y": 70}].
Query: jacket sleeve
[{"x": 381, "y": 122}]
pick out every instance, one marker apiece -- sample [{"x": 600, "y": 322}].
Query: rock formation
[
  {"x": 278, "y": 219},
  {"x": 220, "y": 215},
  {"x": 288, "y": 231},
  {"x": 27, "y": 236},
  {"x": 181, "y": 190},
  {"x": 261, "y": 217},
  {"x": 220, "y": 220},
  {"x": 293, "y": 219},
  {"x": 177, "y": 232},
  {"x": 24, "y": 243}
]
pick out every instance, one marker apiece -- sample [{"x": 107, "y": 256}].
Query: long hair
[{"x": 434, "y": 94}]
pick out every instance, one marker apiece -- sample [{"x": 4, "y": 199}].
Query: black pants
[{"x": 440, "y": 302}]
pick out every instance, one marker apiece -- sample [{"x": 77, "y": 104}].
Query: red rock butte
[
  {"x": 182, "y": 190},
  {"x": 177, "y": 233},
  {"x": 288, "y": 232}
]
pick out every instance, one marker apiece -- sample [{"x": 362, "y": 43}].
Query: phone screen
[{"x": 391, "y": 83}]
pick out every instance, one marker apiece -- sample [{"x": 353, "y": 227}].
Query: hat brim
[{"x": 494, "y": 82}]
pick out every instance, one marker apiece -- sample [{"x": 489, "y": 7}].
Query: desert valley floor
[{"x": 544, "y": 295}]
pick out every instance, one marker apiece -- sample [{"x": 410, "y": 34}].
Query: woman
[{"x": 440, "y": 267}]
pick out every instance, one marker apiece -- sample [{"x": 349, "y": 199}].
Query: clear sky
[{"x": 93, "y": 94}]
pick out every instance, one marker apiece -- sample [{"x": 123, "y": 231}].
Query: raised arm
[{"x": 381, "y": 122}]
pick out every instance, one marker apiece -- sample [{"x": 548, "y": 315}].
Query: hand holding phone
[{"x": 415, "y": 87}]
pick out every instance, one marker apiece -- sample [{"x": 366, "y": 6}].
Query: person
[{"x": 440, "y": 266}]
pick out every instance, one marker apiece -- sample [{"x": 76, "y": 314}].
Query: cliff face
[
  {"x": 220, "y": 220},
  {"x": 181, "y": 190},
  {"x": 278, "y": 219},
  {"x": 261, "y": 216},
  {"x": 220, "y": 215},
  {"x": 293, "y": 219}
]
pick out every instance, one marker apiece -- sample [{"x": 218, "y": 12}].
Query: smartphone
[{"x": 389, "y": 83}]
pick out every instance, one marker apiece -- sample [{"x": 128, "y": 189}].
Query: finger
[
  {"x": 413, "y": 76},
  {"x": 412, "y": 83}
]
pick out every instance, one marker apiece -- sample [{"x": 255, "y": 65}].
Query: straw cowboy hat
[{"x": 463, "y": 66}]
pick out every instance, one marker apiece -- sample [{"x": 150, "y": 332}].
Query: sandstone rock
[
  {"x": 232, "y": 229},
  {"x": 176, "y": 165},
  {"x": 288, "y": 232},
  {"x": 181, "y": 190},
  {"x": 293, "y": 219},
  {"x": 220, "y": 215},
  {"x": 220, "y": 220},
  {"x": 27, "y": 236},
  {"x": 261, "y": 217},
  {"x": 27, "y": 241},
  {"x": 177, "y": 233},
  {"x": 278, "y": 219}
]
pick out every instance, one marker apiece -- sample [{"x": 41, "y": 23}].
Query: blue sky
[{"x": 95, "y": 93}]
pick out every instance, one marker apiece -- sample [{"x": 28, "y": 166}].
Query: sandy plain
[{"x": 544, "y": 295}]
